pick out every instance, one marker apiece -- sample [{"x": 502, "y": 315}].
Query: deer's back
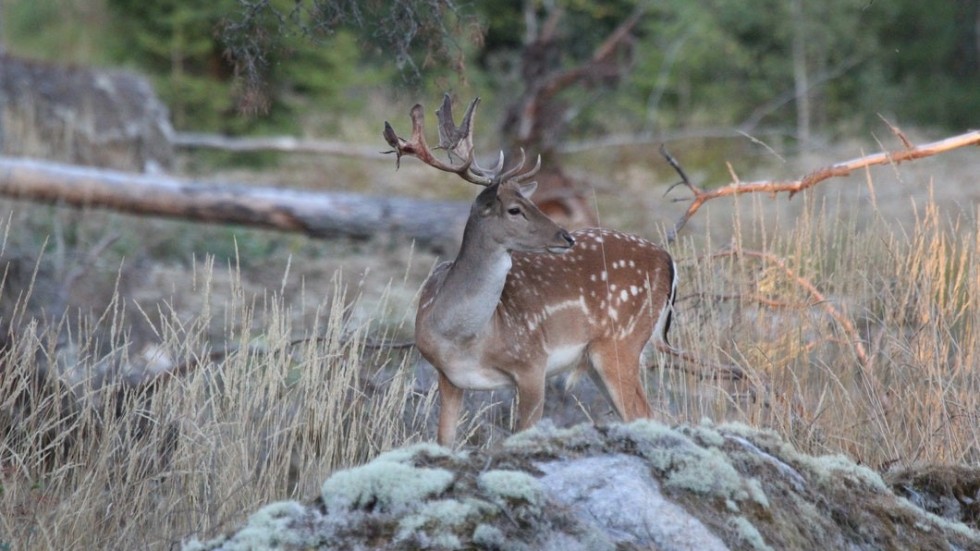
[{"x": 609, "y": 284}]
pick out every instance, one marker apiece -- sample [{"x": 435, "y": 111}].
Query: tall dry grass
[
  {"x": 858, "y": 334},
  {"x": 96, "y": 456}
]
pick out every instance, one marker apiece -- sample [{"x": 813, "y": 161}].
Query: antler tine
[
  {"x": 395, "y": 142},
  {"x": 514, "y": 170},
  {"x": 459, "y": 141},
  {"x": 492, "y": 172},
  {"x": 530, "y": 173}
]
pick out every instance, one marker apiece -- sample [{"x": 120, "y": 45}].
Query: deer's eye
[{"x": 513, "y": 211}]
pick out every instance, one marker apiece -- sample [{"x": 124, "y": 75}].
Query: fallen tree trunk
[
  {"x": 281, "y": 144},
  {"x": 432, "y": 224}
]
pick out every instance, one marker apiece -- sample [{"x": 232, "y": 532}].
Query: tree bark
[
  {"x": 432, "y": 224},
  {"x": 800, "y": 73},
  {"x": 910, "y": 152},
  {"x": 282, "y": 144}
]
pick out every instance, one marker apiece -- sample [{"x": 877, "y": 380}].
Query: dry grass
[
  {"x": 90, "y": 458},
  {"x": 859, "y": 336},
  {"x": 93, "y": 457}
]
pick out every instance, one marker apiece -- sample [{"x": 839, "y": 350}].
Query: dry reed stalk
[
  {"x": 901, "y": 301},
  {"x": 87, "y": 463}
]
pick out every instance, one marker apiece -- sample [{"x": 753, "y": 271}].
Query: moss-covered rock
[
  {"x": 950, "y": 491},
  {"x": 639, "y": 485}
]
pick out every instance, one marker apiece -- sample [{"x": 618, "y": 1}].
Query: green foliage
[
  {"x": 413, "y": 40},
  {"x": 714, "y": 63},
  {"x": 584, "y": 25},
  {"x": 173, "y": 40},
  {"x": 930, "y": 58},
  {"x": 180, "y": 43},
  {"x": 54, "y": 28},
  {"x": 725, "y": 62}
]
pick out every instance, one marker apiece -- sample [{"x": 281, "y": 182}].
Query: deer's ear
[{"x": 527, "y": 189}]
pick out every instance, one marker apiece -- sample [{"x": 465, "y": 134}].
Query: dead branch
[
  {"x": 898, "y": 133},
  {"x": 529, "y": 118},
  {"x": 792, "y": 187},
  {"x": 282, "y": 144},
  {"x": 751, "y": 297},
  {"x": 706, "y": 370},
  {"x": 313, "y": 213},
  {"x": 817, "y": 299},
  {"x": 562, "y": 80},
  {"x": 648, "y": 138}
]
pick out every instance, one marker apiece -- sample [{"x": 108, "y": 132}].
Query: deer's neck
[{"x": 471, "y": 290}]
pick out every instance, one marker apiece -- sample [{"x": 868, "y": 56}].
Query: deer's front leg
[
  {"x": 450, "y": 403},
  {"x": 530, "y": 399}
]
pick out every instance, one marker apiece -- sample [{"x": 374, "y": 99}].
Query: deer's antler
[{"x": 458, "y": 142}]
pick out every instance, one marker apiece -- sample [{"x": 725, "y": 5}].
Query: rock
[
  {"x": 641, "y": 485},
  {"x": 950, "y": 491},
  {"x": 79, "y": 115}
]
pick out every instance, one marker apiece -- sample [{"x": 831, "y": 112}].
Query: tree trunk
[
  {"x": 432, "y": 224},
  {"x": 281, "y": 144},
  {"x": 536, "y": 120},
  {"x": 800, "y": 77}
]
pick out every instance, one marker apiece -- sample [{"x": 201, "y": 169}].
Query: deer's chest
[
  {"x": 465, "y": 364},
  {"x": 481, "y": 365}
]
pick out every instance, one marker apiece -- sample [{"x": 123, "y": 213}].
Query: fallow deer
[{"x": 525, "y": 299}]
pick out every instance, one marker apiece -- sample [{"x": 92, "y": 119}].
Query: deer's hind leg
[
  {"x": 530, "y": 397},
  {"x": 616, "y": 367}
]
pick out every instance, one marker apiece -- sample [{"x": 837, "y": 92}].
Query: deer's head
[{"x": 503, "y": 212}]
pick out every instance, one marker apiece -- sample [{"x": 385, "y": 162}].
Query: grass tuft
[
  {"x": 132, "y": 421},
  {"x": 105, "y": 447}
]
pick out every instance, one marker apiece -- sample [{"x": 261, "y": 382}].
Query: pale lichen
[
  {"x": 707, "y": 434},
  {"x": 489, "y": 536},
  {"x": 410, "y": 453},
  {"x": 271, "y": 527},
  {"x": 508, "y": 486},
  {"x": 546, "y": 433},
  {"x": 440, "y": 521},
  {"x": 756, "y": 493},
  {"x": 385, "y": 485},
  {"x": 683, "y": 463},
  {"x": 647, "y": 431},
  {"x": 594, "y": 488},
  {"x": 829, "y": 467},
  {"x": 748, "y": 431},
  {"x": 748, "y": 533}
]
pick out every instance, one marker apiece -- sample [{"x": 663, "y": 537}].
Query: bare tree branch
[
  {"x": 750, "y": 297},
  {"x": 817, "y": 299},
  {"x": 655, "y": 138},
  {"x": 314, "y": 213},
  {"x": 792, "y": 187},
  {"x": 814, "y": 81},
  {"x": 601, "y": 55},
  {"x": 704, "y": 370},
  {"x": 283, "y": 144},
  {"x": 898, "y": 133}
]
